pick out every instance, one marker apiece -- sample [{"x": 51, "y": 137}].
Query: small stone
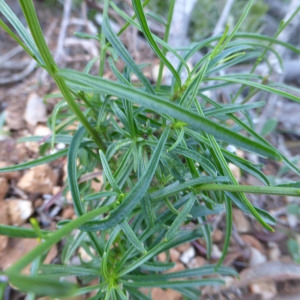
[
  {"x": 18, "y": 211},
  {"x": 174, "y": 255},
  {"x": 217, "y": 236},
  {"x": 3, "y": 187},
  {"x": 31, "y": 147},
  {"x": 292, "y": 220},
  {"x": 252, "y": 241},
  {"x": 188, "y": 255},
  {"x": 3, "y": 221},
  {"x": 35, "y": 111},
  {"x": 197, "y": 262},
  {"x": 267, "y": 290},
  {"x": 68, "y": 213},
  {"x": 256, "y": 257},
  {"x": 215, "y": 252},
  {"x": 168, "y": 294},
  {"x": 241, "y": 222},
  {"x": 86, "y": 257},
  {"x": 235, "y": 170},
  {"x": 178, "y": 267},
  {"x": 183, "y": 247},
  {"x": 38, "y": 180},
  {"x": 42, "y": 130},
  {"x": 56, "y": 189},
  {"x": 162, "y": 257},
  {"x": 274, "y": 252},
  {"x": 3, "y": 243},
  {"x": 155, "y": 72}
]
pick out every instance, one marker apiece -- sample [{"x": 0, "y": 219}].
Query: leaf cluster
[{"x": 163, "y": 153}]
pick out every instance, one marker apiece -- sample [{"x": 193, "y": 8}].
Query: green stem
[
  {"x": 56, "y": 237},
  {"x": 270, "y": 190},
  {"x": 37, "y": 34},
  {"x": 166, "y": 38},
  {"x": 103, "y": 46}
]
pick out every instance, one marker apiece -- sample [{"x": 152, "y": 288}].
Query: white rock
[
  {"x": 42, "y": 130},
  {"x": 267, "y": 290},
  {"x": 35, "y": 110},
  {"x": 256, "y": 257},
  {"x": 187, "y": 255},
  {"x": 86, "y": 257},
  {"x": 292, "y": 220},
  {"x": 231, "y": 148},
  {"x": 18, "y": 211},
  {"x": 216, "y": 253}
]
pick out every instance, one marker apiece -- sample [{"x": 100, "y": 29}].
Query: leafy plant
[{"x": 163, "y": 155}]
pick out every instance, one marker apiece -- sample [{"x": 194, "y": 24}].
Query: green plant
[{"x": 162, "y": 151}]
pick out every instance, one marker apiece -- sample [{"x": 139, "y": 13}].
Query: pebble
[
  {"x": 168, "y": 294},
  {"x": 174, "y": 255},
  {"x": 241, "y": 222},
  {"x": 38, "y": 180},
  {"x": 18, "y": 211},
  {"x": 197, "y": 262},
  {"x": 35, "y": 111},
  {"x": 183, "y": 247},
  {"x": 187, "y": 255},
  {"x": 178, "y": 267},
  {"x": 256, "y": 257},
  {"x": 267, "y": 290},
  {"x": 3, "y": 187}
]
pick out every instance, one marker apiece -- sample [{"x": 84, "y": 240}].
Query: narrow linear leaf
[
  {"x": 132, "y": 237},
  {"x": 90, "y": 83},
  {"x": 121, "y": 50},
  {"x": 36, "y": 162},
  {"x": 268, "y": 190},
  {"x": 180, "y": 218},
  {"x": 136, "y": 194},
  {"x": 19, "y": 232},
  {"x": 42, "y": 286},
  {"x": 138, "y": 8},
  {"x": 173, "y": 284},
  {"x": 236, "y": 79},
  {"x": 108, "y": 173},
  {"x": 72, "y": 170}
]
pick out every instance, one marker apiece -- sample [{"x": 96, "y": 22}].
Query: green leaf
[
  {"x": 135, "y": 195},
  {"x": 172, "y": 284},
  {"x": 67, "y": 270},
  {"x": 177, "y": 187},
  {"x": 72, "y": 171},
  {"x": 42, "y": 286},
  {"x": 180, "y": 218},
  {"x": 132, "y": 237},
  {"x": 90, "y": 83},
  {"x": 19, "y": 232},
  {"x": 29, "y": 45},
  {"x": 138, "y": 8},
  {"x": 36, "y": 162},
  {"x": 269, "y": 127},
  {"x": 121, "y": 50},
  {"x": 108, "y": 173}
]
